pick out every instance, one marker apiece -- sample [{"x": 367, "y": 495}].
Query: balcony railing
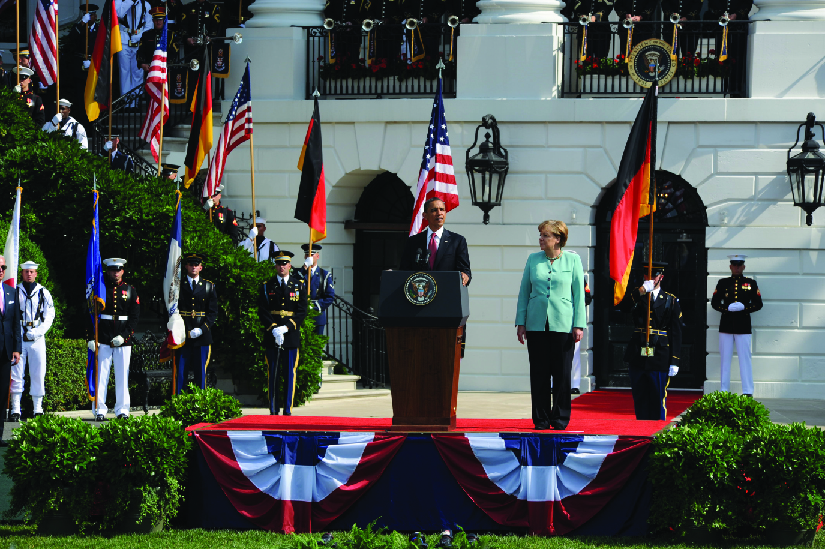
[
  {"x": 699, "y": 71},
  {"x": 340, "y": 67},
  {"x": 358, "y": 342}
]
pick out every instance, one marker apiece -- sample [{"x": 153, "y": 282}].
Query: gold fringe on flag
[
  {"x": 723, "y": 55},
  {"x": 583, "y": 54}
]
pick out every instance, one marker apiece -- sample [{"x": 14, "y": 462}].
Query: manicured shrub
[
  {"x": 65, "y": 375},
  {"x": 198, "y": 405},
  {"x": 741, "y": 414}
]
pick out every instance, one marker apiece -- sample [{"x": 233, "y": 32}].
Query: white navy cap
[
  {"x": 737, "y": 257},
  {"x": 260, "y": 221},
  {"x": 65, "y": 103},
  {"x": 114, "y": 262},
  {"x": 29, "y": 265}
]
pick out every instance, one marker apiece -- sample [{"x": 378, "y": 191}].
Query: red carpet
[{"x": 604, "y": 412}]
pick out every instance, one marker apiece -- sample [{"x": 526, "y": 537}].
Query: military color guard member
[
  {"x": 282, "y": 306},
  {"x": 319, "y": 285},
  {"x": 198, "y": 304},
  {"x": 222, "y": 217},
  {"x": 736, "y": 297}
]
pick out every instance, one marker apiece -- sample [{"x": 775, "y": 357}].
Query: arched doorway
[
  {"x": 382, "y": 223},
  {"x": 678, "y": 238}
]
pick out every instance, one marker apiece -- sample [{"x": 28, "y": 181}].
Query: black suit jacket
[
  {"x": 10, "y": 332},
  {"x": 203, "y": 301},
  {"x": 452, "y": 254}
]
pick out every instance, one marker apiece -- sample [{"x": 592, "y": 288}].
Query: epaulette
[{"x": 209, "y": 281}]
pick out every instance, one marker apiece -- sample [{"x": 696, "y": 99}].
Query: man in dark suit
[
  {"x": 282, "y": 307},
  {"x": 438, "y": 249},
  {"x": 198, "y": 305},
  {"x": 650, "y": 372},
  {"x": 10, "y": 339}
]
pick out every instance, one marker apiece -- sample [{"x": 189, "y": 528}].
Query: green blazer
[{"x": 552, "y": 295}]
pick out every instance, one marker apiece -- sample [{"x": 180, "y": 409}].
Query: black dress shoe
[
  {"x": 14, "y": 417},
  {"x": 558, "y": 427},
  {"x": 542, "y": 426},
  {"x": 275, "y": 413},
  {"x": 121, "y": 416},
  {"x": 100, "y": 417},
  {"x": 575, "y": 392},
  {"x": 287, "y": 413}
]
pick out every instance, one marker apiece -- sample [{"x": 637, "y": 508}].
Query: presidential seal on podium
[
  {"x": 420, "y": 288},
  {"x": 648, "y": 58}
]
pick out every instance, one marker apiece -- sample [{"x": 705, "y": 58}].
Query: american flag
[
  {"x": 436, "y": 178},
  {"x": 236, "y": 129},
  {"x": 43, "y": 41},
  {"x": 155, "y": 82}
]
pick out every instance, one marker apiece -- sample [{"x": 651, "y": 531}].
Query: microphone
[
  {"x": 418, "y": 256},
  {"x": 427, "y": 258}
]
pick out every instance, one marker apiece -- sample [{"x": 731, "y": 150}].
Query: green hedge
[
  {"x": 201, "y": 406},
  {"x": 57, "y": 178},
  {"x": 65, "y": 375},
  {"x": 741, "y": 414}
]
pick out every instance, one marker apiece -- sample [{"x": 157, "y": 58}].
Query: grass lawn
[{"x": 21, "y": 537}]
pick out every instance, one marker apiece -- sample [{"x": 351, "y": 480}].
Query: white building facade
[{"x": 728, "y": 154}]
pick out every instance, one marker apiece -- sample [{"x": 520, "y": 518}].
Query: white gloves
[
  {"x": 195, "y": 333},
  {"x": 278, "y": 334},
  {"x": 91, "y": 346},
  {"x": 57, "y": 119},
  {"x": 673, "y": 371},
  {"x": 736, "y": 307},
  {"x": 208, "y": 204},
  {"x": 31, "y": 336},
  {"x": 308, "y": 263},
  {"x": 648, "y": 286},
  {"x": 117, "y": 341},
  {"x": 17, "y": 89},
  {"x": 253, "y": 232},
  {"x": 87, "y": 64},
  {"x": 108, "y": 145},
  {"x": 86, "y": 18}
]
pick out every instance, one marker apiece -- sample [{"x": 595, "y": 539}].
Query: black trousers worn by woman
[{"x": 551, "y": 363}]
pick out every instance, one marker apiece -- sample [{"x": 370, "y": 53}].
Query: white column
[
  {"x": 790, "y": 10},
  {"x": 286, "y": 13},
  {"x": 520, "y": 11}
]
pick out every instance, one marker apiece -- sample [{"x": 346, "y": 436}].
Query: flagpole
[
  {"x": 86, "y": 54},
  {"x": 254, "y": 214},
  {"x": 56, "y": 55},
  {"x": 160, "y": 147},
  {"x": 17, "y": 34},
  {"x": 111, "y": 58},
  {"x": 650, "y": 230},
  {"x": 97, "y": 310}
]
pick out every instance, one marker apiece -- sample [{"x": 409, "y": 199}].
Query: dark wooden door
[{"x": 679, "y": 239}]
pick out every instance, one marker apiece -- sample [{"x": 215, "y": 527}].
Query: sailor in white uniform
[
  {"x": 65, "y": 123},
  {"x": 37, "y": 315},
  {"x": 266, "y": 248}
]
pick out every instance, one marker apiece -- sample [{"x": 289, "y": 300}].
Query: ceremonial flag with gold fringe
[
  {"x": 311, "y": 207},
  {"x": 95, "y": 291},
  {"x": 107, "y": 44},
  {"x": 200, "y": 138},
  {"x": 632, "y": 192},
  {"x": 176, "y": 331}
]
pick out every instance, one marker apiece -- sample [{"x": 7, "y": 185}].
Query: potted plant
[
  {"x": 143, "y": 464},
  {"x": 785, "y": 470},
  {"x": 51, "y": 460}
]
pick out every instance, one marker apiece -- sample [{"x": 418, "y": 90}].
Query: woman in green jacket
[{"x": 551, "y": 316}]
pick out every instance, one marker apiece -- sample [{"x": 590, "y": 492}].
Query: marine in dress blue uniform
[
  {"x": 320, "y": 286},
  {"x": 198, "y": 305},
  {"x": 282, "y": 307},
  {"x": 736, "y": 297},
  {"x": 650, "y": 374}
]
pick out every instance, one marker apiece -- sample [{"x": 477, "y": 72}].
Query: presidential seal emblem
[
  {"x": 649, "y": 57},
  {"x": 420, "y": 289}
]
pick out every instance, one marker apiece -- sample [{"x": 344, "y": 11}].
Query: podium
[{"x": 424, "y": 314}]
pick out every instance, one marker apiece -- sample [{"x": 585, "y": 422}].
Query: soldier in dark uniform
[
  {"x": 282, "y": 306},
  {"x": 10, "y": 76},
  {"x": 198, "y": 305},
  {"x": 738, "y": 11},
  {"x": 688, "y": 36},
  {"x": 149, "y": 40},
  {"x": 344, "y": 41},
  {"x": 34, "y": 104},
  {"x": 76, "y": 38},
  {"x": 638, "y": 11},
  {"x": 222, "y": 217},
  {"x": 649, "y": 375},
  {"x": 199, "y": 21},
  {"x": 115, "y": 330},
  {"x": 598, "y": 29},
  {"x": 320, "y": 286},
  {"x": 119, "y": 160},
  {"x": 169, "y": 171},
  {"x": 736, "y": 297}
]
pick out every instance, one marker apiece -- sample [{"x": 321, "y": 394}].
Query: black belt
[
  {"x": 652, "y": 331},
  {"x": 191, "y": 314}
]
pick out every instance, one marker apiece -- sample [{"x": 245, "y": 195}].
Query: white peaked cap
[
  {"x": 114, "y": 262},
  {"x": 737, "y": 257}
]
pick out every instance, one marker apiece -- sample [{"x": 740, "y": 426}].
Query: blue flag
[{"x": 95, "y": 291}]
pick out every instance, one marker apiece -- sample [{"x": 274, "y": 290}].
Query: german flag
[
  {"x": 200, "y": 138},
  {"x": 311, "y": 207},
  {"x": 632, "y": 193},
  {"x": 107, "y": 44}
]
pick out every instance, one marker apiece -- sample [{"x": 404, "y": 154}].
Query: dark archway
[
  {"x": 382, "y": 223},
  {"x": 678, "y": 238}
]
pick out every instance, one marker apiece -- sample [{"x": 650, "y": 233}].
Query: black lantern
[
  {"x": 806, "y": 170},
  {"x": 490, "y": 165}
]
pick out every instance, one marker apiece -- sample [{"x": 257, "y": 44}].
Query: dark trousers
[
  {"x": 649, "y": 390},
  {"x": 190, "y": 358},
  {"x": 281, "y": 363},
  {"x": 319, "y": 329},
  {"x": 5, "y": 381},
  {"x": 551, "y": 363}
]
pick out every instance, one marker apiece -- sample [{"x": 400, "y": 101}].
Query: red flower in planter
[
  {"x": 711, "y": 52},
  {"x": 320, "y": 58},
  {"x": 696, "y": 62}
]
